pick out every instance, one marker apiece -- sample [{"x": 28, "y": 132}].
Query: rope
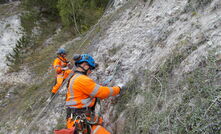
[{"x": 49, "y": 100}]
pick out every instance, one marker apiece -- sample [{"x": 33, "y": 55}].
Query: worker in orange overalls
[
  {"x": 82, "y": 93},
  {"x": 61, "y": 66}
]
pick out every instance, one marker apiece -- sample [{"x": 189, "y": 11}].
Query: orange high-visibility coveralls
[
  {"x": 82, "y": 92},
  {"x": 59, "y": 63}
]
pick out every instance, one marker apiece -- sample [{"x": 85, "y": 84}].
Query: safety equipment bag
[{"x": 65, "y": 131}]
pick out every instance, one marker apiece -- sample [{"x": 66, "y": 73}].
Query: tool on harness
[
  {"x": 86, "y": 112},
  {"x": 81, "y": 125},
  {"x": 83, "y": 119}
]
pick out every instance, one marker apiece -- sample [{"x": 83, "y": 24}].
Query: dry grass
[{"x": 191, "y": 105}]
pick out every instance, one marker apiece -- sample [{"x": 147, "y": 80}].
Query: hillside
[{"x": 167, "y": 53}]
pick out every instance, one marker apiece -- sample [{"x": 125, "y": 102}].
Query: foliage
[
  {"x": 44, "y": 6},
  {"x": 28, "y": 21},
  {"x": 126, "y": 95},
  {"x": 35, "y": 31},
  {"x": 80, "y": 13},
  {"x": 188, "y": 105},
  {"x": 199, "y": 111},
  {"x": 15, "y": 58},
  {"x": 3, "y": 1},
  {"x": 27, "y": 45}
]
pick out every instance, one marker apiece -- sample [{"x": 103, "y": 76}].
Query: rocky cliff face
[
  {"x": 159, "y": 44},
  {"x": 167, "y": 53}
]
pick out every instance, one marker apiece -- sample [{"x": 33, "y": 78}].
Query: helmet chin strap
[{"x": 85, "y": 71}]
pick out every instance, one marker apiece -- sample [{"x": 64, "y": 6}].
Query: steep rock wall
[
  {"x": 146, "y": 38},
  {"x": 168, "y": 54}
]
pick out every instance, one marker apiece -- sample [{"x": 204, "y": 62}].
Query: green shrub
[
  {"x": 80, "y": 14},
  {"x": 44, "y": 6},
  {"x": 189, "y": 105},
  {"x": 15, "y": 58},
  {"x": 3, "y": 1}
]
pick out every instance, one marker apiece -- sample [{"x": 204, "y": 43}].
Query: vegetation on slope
[
  {"x": 171, "y": 105},
  {"x": 44, "y": 32},
  {"x": 190, "y": 105},
  {"x": 43, "y": 18}
]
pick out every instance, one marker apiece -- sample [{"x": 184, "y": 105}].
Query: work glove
[
  {"x": 122, "y": 88},
  {"x": 64, "y": 68}
]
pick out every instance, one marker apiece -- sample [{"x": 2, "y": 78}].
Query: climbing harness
[
  {"x": 82, "y": 123},
  {"x": 82, "y": 119},
  {"x": 85, "y": 123}
]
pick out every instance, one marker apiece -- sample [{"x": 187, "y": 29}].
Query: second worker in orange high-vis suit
[
  {"x": 83, "y": 91},
  {"x": 61, "y": 69}
]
